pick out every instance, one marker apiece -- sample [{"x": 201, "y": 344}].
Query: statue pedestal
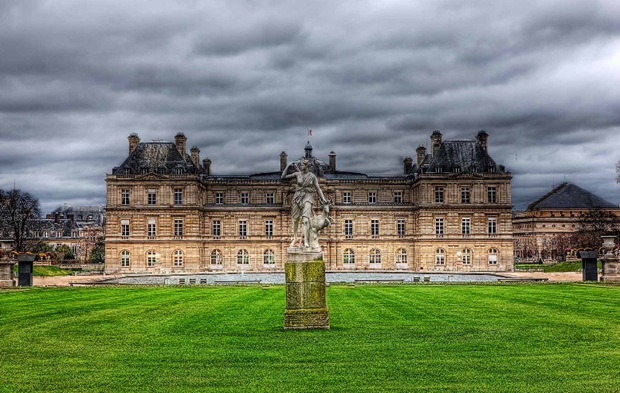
[
  {"x": 306, "y": 306},
  {"x": 6, "y": 274},
  {"x": 610, "y": 269}
]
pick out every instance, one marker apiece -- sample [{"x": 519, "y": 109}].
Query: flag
[{"x": 309, "y": 132}]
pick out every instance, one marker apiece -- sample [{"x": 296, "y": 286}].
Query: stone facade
[
  {"x": 543, "y": 230},
  {"x": 166, "y": 212}
]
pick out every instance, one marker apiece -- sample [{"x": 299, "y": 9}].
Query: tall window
[
  {"x": 216, "y": 257},
  {"x": 439, "y": 226},
  {"x": 492, "y": 225},
  {"x": 243, "y": 229},
  {"x": 177, "y": 258},
  {"x": 125, "y": 258},
  {"x": 372, "y": 197},
  {"x": 374, "y": 228},
  {"x": 219, "y": 198},
  {"x": 151, "y": 197},
  {"x": 125, "y": 197},
  {"x": 269, "y": 258},
  {"x": 492, "y": 194},
  {"x": 492, "y": 256},
  {"x": 125, "y": 228},
  {"x": 151, "y": 229},
  {"x": 178, "y": 196},
  {"x": 440, "y": 256},
  {"x": 178, "y": 227},
  {"x": 346, "y": 197},
  {"x": 465, "y": 227},
  {"x": 269, "y": 229},
  {"x": 245, "y": 198},
  {"x": 243, "y": 257},
  {"x": 398, "y": 197},
  {"x": 375, "y": 256},
  {"x": 401, "y": 255},
  {"x": 348, "y": 229},
  {"x": 151, "y": 258},
  {"x": 438, "y": 194},
  {"x": 400, "y": 228},
  {"x": 216, "y": 229},
  {"x": 270, "y": 198},
  {"x": 348, "y": 256},
  {"x": 465, "y": 195},
  {"x": 466, "y": 256}
]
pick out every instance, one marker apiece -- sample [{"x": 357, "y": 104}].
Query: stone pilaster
[{"x": 306, "y": 306}]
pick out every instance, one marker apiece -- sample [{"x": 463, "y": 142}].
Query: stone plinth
[
  {"x": 610, "y": 269},
  {"x": 6, "y": 274},
  {"x": 306, "y": 307}
]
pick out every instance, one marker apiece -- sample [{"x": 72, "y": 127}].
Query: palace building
[{"x": 450, "y": 210}]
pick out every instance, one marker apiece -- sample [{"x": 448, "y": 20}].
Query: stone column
[{"x": 306, "y": 306}]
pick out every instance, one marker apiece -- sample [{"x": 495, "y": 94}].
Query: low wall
[{"x": 96, "y": 267}]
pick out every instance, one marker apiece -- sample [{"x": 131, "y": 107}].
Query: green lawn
[
  {"x": 470, "y": 338},
  {"x": 47, "y": 271},
  {"x": 566, "y": 266}
]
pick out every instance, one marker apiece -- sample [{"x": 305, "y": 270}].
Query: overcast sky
[{"x": 245, "y": 80}]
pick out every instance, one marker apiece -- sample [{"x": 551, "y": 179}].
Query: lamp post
[{"x": 610, "y": 260}]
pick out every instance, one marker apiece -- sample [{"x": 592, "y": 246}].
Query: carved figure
[
  {"x": 306, "y": 185},
  {"x": 317, "y": 224}
]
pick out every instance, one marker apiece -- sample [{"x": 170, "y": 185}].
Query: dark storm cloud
[{"x": 245, "y": 80}]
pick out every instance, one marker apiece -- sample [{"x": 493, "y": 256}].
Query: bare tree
[
  {"x": 19, "y": 217},
  {"x": 593, "y": 225},
  {"x": 618, "y": 172}
]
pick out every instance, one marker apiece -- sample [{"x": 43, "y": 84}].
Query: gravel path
[{"x": 70, "y": 280}]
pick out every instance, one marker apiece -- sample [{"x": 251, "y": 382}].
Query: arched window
[
  {"x": 440, "y": 256},
  {"x": 177, "y": 258},
  {"x": 375, "y": 256},
  {"x": 269, "y": 258},
  {"x": 125, "y": 261},
  {"x": 243, "y": 257},
  {"x": 493, "y": 256},
  {"x": 151, "y": 258},
  {"x": 466, "y": 256},
  {"x": 216, "y": 257},
  {"x": 401, "y": 255},
  {"x": 348, "y": 256}
]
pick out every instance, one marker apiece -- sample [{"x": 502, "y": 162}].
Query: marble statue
[{"x": 306, "y": 186}]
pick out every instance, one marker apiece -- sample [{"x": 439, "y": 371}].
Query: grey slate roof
[
  {"x": 465, "y": 154},
  {"x": 157, "y": 157},
  {"x": 570, "y": 196}
]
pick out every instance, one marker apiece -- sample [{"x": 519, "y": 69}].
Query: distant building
[
  {"x": 449, "y": 211},
  {"x": 78, "y": 227},
  {"x": 543, "y": 230}
]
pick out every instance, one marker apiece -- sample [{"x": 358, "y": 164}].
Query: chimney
[
  {"x": 195, "y": 153},
  {"x": 133, "y": 139},
  {"x": 180, "y": 141},
  {"x": 332, "y": 160},
  {"x": 283, "y": 161},
  {"x": 436, "y": 141},
  {"x": 482, "y": 139},
  {"x": 408, "y": 162},
  {"x": 206, "y": 164},
  {"x": 421, "y": 155}
]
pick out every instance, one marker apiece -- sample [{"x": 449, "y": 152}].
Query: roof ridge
[{"x": 545, "y": 196}]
